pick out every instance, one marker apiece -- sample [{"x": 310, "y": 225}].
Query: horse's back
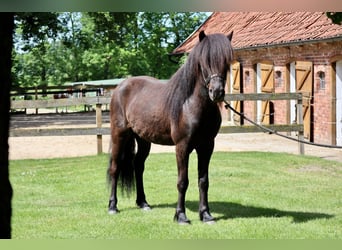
[
  {"x": 138, "y": 103},
  {"x": 136, "y": 86}
]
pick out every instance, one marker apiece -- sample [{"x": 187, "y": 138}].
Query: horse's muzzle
[{"x": 216, "y": 95}]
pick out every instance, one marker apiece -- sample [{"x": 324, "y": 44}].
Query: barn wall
[{"x": 322, "y": 55}]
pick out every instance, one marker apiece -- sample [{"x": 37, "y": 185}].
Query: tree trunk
[{"x": 6, "y": 43}]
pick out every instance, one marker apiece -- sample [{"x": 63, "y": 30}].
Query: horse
[{"x": 182, "y": 112}]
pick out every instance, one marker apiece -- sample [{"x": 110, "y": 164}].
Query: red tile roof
[{"x": 253, "y": 29}]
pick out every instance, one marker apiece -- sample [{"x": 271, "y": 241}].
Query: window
[
  {"x": 247, "y": 77},
  {"x": 321, "y": 79},
  {"x": 278, "y": 78}
]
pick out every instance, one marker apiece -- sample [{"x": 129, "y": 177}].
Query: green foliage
[
  {"x": 336, "y": 17},
  {"x": 183, "y": 59},
  {"x": 30, "y": 66},
  {"x": 253, "y": 195},
  {"x": 54, "y": 48},
  {"x": 36, "y": 26}
]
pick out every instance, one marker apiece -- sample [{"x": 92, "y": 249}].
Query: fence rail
[
  {"x": 263, "y": 96},
  {"x": 55, "y": 103},
  {"x": 58, "y": 131},
  {"x": 299, "y": 127},
  {"x": 101, "y": 100}
]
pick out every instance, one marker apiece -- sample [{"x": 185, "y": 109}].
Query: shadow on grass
[{"x": 230, "y": 210}]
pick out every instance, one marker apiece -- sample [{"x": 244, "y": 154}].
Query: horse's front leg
[
  {"x": 182, "y": 156},
  {"x": 204, "y": 153}
]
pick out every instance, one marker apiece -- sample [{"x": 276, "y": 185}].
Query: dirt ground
[{"x": 72, "y": 146}]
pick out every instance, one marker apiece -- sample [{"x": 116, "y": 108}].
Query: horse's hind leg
[
  {"x": 118, "y": 143},
  {"x": 139, "y": 166},
  {"x": 113, "y": 175}
]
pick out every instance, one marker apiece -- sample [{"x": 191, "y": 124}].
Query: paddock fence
[
  {"x": 298, "y": 127},
  {"x": 99, "y": 130}
]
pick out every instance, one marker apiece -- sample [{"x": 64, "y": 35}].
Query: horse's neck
[
  {"x": 186, "y": 90},
  {"x": 199, "y": 102}
]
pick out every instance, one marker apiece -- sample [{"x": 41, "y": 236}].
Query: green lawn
[{"x": 252, "y": 195}]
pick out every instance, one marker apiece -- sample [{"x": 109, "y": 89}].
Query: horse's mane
[{"x": 213, "y": 53}]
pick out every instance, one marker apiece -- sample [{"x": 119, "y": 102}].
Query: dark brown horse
[{"x": 181, "y": 112}]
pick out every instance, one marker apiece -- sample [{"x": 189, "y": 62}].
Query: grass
[{"x": 253, "y": 195}]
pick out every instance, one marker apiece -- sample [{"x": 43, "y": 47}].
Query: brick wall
[
  {"x": 322, "y": 115},
  {"x": 322, "y": 55}
]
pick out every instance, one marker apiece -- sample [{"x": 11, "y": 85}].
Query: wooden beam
[
  {"x": 58, "y": 132},
  {"x": 54, "y": 103},
  {"x": 106, "y": 131},
  {"x": 254, "y": 129},
  {"x": 263, "y": 96}
]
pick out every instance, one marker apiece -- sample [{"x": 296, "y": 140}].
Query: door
[
  {"x": 236, "y": 89},
  {"x": 339, "y": 103},
  {"x": 265, "y": 84},
  {"x": 304, "y": 85}
]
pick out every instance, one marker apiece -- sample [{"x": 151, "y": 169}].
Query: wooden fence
[
  {"x": 299, "y": 127},
  {"x": 98, "y": 101}
]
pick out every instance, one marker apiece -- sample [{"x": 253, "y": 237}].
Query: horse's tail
[{"x": 126, "y": 178}]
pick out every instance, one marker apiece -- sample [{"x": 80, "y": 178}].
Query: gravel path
[{"x": 73, "y": 146}]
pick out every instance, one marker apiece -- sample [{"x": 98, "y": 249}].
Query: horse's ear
[
  {"x": 202, "y": 35},
  {"x": 230, "y": 36}
]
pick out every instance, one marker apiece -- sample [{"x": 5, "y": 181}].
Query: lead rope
[{"x": 227, "y": 106}]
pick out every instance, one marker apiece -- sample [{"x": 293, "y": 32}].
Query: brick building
[{"x": 284, "y": 52}]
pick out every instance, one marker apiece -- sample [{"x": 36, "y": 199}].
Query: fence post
[
  {"x": 99, "y": 125},
  {"x": 300, "y": 122},
  {"x": 36, "y": 98}
]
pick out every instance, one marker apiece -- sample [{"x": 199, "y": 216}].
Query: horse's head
[{"x": 215, "y": 55}]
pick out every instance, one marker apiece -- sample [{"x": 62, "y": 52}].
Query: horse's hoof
[
  {"x": 207, "y": 218},
  {"x": 144, "y": 206},
  {"x": 181, "y": 219},
  {"x": 210, "y": 222},
  {"x": 113, "y": 211}
]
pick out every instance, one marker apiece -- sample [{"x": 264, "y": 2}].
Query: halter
[{"x": 210, "y": 77}]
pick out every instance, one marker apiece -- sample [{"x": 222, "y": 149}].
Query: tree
[
  {"x": 162, "y": 32},
  {"x": 100, "y": 45},
  {"x": 336, "y": 17},
  {"x": 117, "y": 41},
  {"x": 32, "y": 30},
  {"x": 6, "y": 42},
  {"x": 74, "y": 41}
]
